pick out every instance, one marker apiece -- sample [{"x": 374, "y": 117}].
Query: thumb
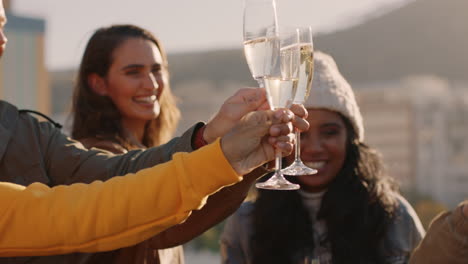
[{"x": 250, "y": 98}]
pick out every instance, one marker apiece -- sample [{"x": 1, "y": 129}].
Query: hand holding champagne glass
[
  {"x": 306, "y": 72},
  {"x": 281, "y": 87}
]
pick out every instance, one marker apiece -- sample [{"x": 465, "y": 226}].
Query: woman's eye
[
  {"x": 331, "y": 132},
  {"x": 131, "y": 72}
]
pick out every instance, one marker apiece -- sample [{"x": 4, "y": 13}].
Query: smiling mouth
[
  {"x": 315, "y": 164},
  {"x": 146, "y": 99}
]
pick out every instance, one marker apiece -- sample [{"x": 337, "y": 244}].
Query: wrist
[
  {"x": 199, "y": 141},
  {"x": 206, "y": 134}
]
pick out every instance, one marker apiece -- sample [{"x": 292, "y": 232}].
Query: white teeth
[
  {"x": 147, "y": 99},
  {"x": 315, "y": 165}
]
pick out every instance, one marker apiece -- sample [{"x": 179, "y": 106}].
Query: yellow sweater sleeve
[{"x": 102, "y": 216}]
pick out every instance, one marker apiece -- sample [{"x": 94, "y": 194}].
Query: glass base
[
  {"x": 277, "y": 183},
  {"x": 298, "y": 168}
]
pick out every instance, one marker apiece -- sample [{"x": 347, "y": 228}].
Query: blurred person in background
[
  {"x": 349, "y": 212},
  {"x": 122, "y": 99},
  {"x": 33, "y": 151},
  {"x": 446, "y": 240}
]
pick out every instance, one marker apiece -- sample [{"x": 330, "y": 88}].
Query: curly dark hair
[
  {"x": 97, "y": 116},
  {"x": 357, "y": 208}
]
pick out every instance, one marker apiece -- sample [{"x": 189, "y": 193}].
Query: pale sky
[{"x": 182, "y": 25}]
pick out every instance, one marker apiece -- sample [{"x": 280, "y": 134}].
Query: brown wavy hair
[
  {"x": 97, "y": 116},
  {"x": 357, "y": 208}
]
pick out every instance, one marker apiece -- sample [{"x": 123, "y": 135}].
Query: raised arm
[{"x": 38, "y": 220}]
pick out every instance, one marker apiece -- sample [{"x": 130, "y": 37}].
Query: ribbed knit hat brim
[{"x": 331, "y": 91}]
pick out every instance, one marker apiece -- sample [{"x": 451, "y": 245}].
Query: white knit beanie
[{"x": 331, "y": 91}]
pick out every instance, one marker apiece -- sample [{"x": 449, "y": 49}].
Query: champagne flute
[
  {"x": 281, "y": 89},
  {"x": 260, "y": 37},
  {"x": 304, "y": 85}
]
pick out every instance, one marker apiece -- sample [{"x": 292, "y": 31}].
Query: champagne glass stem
[
  {"x": 298, "y": 168},
  {"x": 278, "y": 161},
  {"x": 297, "y": 152},
  {"x": 277, "y": 181}
]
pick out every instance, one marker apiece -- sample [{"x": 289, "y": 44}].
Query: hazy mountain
[
  {"x": 217, "y": 66},
  {"x": 423, "y": 37}
]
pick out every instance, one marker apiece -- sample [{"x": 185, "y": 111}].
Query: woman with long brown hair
[{"x": 122, "y": 99}]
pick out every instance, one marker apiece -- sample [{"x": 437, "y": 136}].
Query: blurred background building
[
  {"x": 25, "y": 80},
  {"x": 420, "y": 126}
]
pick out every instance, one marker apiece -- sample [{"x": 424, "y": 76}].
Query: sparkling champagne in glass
[
  {"x": 306, "y": 71},
  {"x": 260, "y": 37},
  {"x": 281, "y": 87}
]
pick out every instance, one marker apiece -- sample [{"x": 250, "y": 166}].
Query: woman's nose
[
  {"x": 311, "y": 145},
  {"x": 151, "y": 82}
]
